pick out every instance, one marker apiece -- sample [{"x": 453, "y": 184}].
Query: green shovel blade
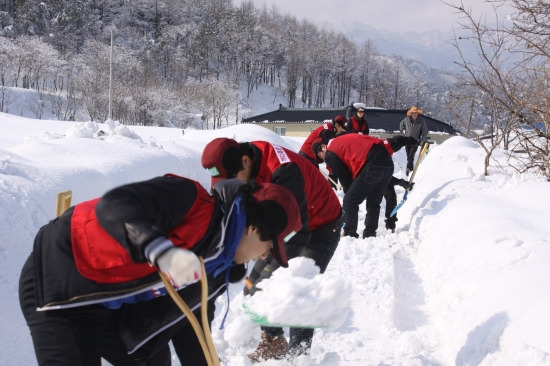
[{"x": 262, "y": 320}]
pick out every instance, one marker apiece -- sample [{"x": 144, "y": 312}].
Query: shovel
[{"x": 264, "y": 322}]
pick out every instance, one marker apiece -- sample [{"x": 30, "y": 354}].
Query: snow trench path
[
  {"x": 387, "y": 301},
  {"x": 386, "y": 324}
]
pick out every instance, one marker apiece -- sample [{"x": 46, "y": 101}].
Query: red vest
[
  {"x": 352, "y": 149},
  {"x": 102, "y": 259},
  {"x": 323, "y": 205},
  {"x": 306, "y": 146},
  {"x": 356, "y": 126}
]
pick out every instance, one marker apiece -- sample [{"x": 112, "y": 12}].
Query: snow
[
  {"x": 326, "y": 298},
  {"x": 465, "y": 280}
]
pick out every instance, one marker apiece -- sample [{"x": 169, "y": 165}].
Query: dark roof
[{"x": 378, "y": 119}]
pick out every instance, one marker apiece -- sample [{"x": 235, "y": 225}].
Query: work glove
[
  {"x": 181, "y": 266},
  {"x": 249, "y": 287},
  {"x": 406, "y": 184}
]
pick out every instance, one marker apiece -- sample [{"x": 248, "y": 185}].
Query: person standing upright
[
  {"x": 415, "y": 126},
  {"x": 357, "y": 123}
]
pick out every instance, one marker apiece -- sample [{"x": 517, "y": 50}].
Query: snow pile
[
  {"x": 303, "y": 297},
  {"x": 92, "y": 130}
]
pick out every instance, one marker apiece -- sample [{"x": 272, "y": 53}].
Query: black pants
[
  {"x": 183, "y": 337},
  {"x": 76, "y": 336},
  {"x": 411, "y": 152},
  {"x": 321, "y": 247},
  {"x": 81, "y": 336},
  {"x": 371, "y": 182},
  {"x": 391, "y": 201}
]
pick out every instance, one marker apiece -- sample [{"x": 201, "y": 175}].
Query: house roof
[{"x": 378, "y": 118}]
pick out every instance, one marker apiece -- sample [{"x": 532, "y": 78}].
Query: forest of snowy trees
[{"x": 176, "y": 58}]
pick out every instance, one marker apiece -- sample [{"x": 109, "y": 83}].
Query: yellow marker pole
[{"x": 63, "y": 202}]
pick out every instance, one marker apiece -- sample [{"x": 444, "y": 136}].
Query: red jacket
[
  {"x": 94, "y": 252},
  {"x": 323, "y": 206},
  {"x": 326, "y": 132}
]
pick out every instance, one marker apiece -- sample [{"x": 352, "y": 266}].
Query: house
[{"x": 382, "y": 122}]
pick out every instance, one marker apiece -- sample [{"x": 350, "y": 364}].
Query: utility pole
[{"x": 111, "y": 80}]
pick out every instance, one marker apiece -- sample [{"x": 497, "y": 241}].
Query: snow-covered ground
[{"x": 465, "y": 280}]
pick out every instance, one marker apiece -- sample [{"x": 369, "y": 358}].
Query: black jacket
[{"x": 151, "y": 208}]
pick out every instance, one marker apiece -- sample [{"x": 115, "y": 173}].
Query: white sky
[
  {"x": 394, "y": 15},
  {"x": 464, "y": 280}
]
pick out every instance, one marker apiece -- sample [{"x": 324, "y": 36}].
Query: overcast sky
[{"x": 394, "y": 15}]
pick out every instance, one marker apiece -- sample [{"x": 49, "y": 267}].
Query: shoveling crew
[
  {"x": 326, "y": 132},
  {"x": 364, "y": 166},
  {"x": 320, "y": 211},
  {"x": 91, "y": 287}
]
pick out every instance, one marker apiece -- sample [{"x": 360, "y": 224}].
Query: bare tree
[
  {"x": 7, "y": 49},
  {"x": 213, "y": 98},
  {"x": 5, "y": 99},
  {"x": 510, "y": 78},
  {"x": 364, "y": 72},
  {"x": 36, "y": 105}
]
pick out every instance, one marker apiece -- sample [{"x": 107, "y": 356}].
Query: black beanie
[{"x": 316, "y": 145}]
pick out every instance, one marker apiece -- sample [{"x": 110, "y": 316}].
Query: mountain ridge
[{"x": 433, "y": 48}]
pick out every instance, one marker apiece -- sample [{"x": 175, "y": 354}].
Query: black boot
[
  {"x": 390, "y": 224},
  {"x": 352, "y": 234},
  {"x": 368, "y": 234},
  {"x": 299, "y": 349}
]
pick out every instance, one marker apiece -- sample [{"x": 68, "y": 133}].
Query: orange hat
[{"x": 412, "y": 110}]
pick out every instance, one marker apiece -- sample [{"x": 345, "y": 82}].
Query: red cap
[
  {"x": 222, "y": 158},
  {"x": 341, "y": 120},
  {"x": 281, "y": 210}
]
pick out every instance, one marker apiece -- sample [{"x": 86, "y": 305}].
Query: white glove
[{"x": 181, "y": 266}]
